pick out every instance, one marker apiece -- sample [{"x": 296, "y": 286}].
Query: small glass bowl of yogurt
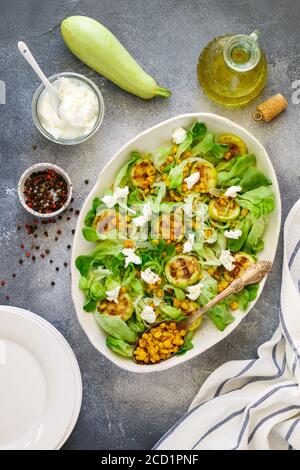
[{"x": 80, "y": 110}]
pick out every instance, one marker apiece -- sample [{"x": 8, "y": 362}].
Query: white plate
[
  {"x": 40, "y": 383},
  {"x": 148, "y": 141}
]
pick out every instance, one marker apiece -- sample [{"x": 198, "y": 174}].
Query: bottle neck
[{"x": 241, "y": 52}]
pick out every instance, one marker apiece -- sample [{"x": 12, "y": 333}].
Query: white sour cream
[{"x": 77, "y": 112}]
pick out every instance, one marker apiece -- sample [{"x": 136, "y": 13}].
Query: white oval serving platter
[{"x": 208, "y": 335}]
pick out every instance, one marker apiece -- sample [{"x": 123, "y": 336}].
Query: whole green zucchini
[{"x": 97, "y": 47}]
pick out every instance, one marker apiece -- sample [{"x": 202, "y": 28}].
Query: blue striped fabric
[{"x": 253, "y": 404}]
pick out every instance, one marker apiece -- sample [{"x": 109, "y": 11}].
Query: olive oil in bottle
[{"x": 232, "y": 69}]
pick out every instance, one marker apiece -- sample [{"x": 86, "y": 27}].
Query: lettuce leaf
[
  {"x": 253, "y": 178},
  {"x": 171, "y": 312},
  {"x": 198, "y": 130},
  {"x": 160, "y": 156},
  {"x": 90, "y": 216},
  {"x": 115, "y": 327},
  {"x": 236, "y": 245},
  {"x": 187, "y": 345},
  {"x": 119, "y": 346},
  {"x": 259, "y": 201},
  {"x": 254, "y": 241},
  {"x": 207, "y": 146},
  {"x": 122, "y": 175},
  {"x": 237, "y": 171},
  {"x": 90, "y": 234},
  {"x": 184, "y": 145},
  {"x": 220, "y": 316}
]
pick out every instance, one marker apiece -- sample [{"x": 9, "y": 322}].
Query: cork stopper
[{"x": 269, "y": 109}]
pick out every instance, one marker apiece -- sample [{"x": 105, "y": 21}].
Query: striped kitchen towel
[{"x": 254, "y": 404}]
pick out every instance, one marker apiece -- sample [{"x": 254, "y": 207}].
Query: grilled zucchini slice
[
  {"x": 223, "y": 209},
  {"x": 142, "y": 174},
  {"x": 107, "y": 220},
  {"x": 183, "y": 270},
  {"x": 208, "y": 175},
  {"x": 124, "y": 308},
  {"x": 236, "y": 145}
]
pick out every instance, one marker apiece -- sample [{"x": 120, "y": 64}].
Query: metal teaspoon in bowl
[{"x": 252, "y": 275}]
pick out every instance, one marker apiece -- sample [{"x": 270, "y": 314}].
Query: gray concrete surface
[{"x": 121, "y": 410}]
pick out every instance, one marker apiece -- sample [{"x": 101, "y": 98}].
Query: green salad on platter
[{"x": 175, "y": 228}]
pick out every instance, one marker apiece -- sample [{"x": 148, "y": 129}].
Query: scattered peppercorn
[
  {"x": 37, "y": 247},
  {"x": 45, "y": 191},
  {"x": 3, "y": 283},
  {"x": 77, "y": 212},
  {"x": 35, "y": 235},
  {"x": 65, "y": 264},
  {"x": 20, "y": 261},
  {"x": 34, "y": 146},
  {"x": 72, "y": 199},
  {"x": 51, "y": 261},
  {"x": 56, "y": 239},
  {"x": 57, "y": 268},
  {"x": 71, "y": 209},
  {"x": 33, "y": 258},
  {"x": 52, "y": 283},
  {"x": 58, "y": 232},
  {"x": 7, "y": 297},
  {"x": 42, "y": 255},
  {"x": 46, "y": 234},
  {"x": 69, "y": 247},
  {"x": 19, "y": 227},
  {"x": 86, "y": 181},
  {"x": 14, "y": 275},
  {"x": 68, "y": 218},
  {"x": 47, "y": 251},
  {"x": 73, "y": 231}
]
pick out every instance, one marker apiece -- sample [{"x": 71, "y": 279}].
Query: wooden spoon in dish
[{"x": 252, "y": 275}]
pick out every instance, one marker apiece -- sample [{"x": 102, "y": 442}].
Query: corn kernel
[{"x": 157, "y": 334}]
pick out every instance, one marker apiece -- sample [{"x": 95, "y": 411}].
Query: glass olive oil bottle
[{"x": 232, "y": 69}]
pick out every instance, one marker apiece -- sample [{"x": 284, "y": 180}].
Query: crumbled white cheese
[
  {"x": 179, "y": 135},
  {"x": 141, "y": 220},
  {"x": 227, "y": 260},
  {"x": 119, "y": 193},
  {"x": 148, "y": 314},
  {"x": 232, "y": 191},
  {"x": 188, "y": 245},
  {"x": 194, "y": 291},
  {"x": 112, "y": 295},
  {"x": 192, "y": 179},
  {"x": 234, "y": 234},
  {"x": 131, "y": 257},
  {"x": 150, "y": 276}
]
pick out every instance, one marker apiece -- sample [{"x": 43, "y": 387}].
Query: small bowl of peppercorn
[{"x": 45, "y": 190}]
